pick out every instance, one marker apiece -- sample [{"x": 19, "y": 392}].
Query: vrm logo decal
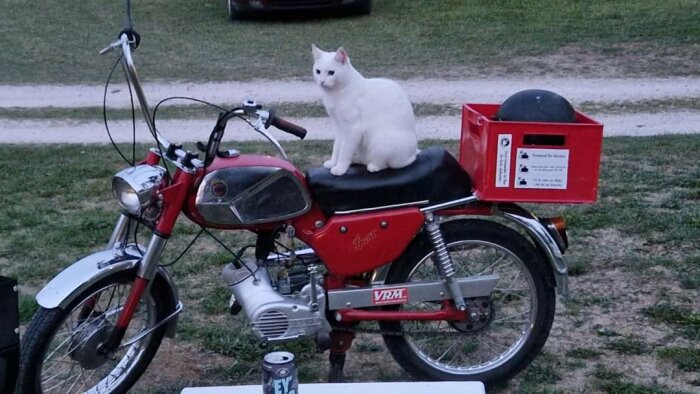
[{"x": 397, "y": 295}]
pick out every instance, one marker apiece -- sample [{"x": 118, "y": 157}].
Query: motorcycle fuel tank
[{"x": 249, "y": 190}]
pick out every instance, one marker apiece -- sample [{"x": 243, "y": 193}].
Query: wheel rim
[
  {"x": 513, "y": 305},
  {"x": 71, "y": 363}
]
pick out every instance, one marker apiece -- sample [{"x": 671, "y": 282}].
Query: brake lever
[
  {"x": 259, "y": 126},
  {"x": 111, "y": 46},
  {"x": 123, "y": 37}
]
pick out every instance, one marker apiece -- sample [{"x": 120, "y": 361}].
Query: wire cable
[
  {"x": 133, "y": 116},
  {"x": 187, "y": 248},
  {"x": 104, "y": 112}
]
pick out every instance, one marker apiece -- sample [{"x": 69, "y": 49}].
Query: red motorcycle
[{"x": 462, "y": 289}]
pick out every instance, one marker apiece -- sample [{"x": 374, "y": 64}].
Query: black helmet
[{"x": 536, "y": 105}]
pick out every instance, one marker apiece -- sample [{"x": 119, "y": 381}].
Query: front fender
[{"x": 72, "y": 281}]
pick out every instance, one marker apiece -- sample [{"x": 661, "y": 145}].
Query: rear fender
[
  {"x": 523, "y": 219},
  {"x": 72, "y": 281}
]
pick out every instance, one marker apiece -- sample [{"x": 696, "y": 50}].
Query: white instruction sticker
[
  {"x": 541, "y": 168},
  {"x": 505, "y": 142}
]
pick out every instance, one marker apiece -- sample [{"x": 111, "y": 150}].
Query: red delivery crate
[{"x": 530, "y": 161}]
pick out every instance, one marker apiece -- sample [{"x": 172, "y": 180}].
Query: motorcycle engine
[{"x": 275, "y": 317}]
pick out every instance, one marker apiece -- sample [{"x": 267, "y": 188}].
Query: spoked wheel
[
  {"x": 62, "y": 348},
  {"x": 504, "y": 331}
]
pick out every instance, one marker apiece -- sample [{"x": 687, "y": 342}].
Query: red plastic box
[{"x": 530, "y": 161}]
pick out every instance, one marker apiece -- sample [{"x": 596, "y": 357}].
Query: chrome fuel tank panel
[{"x": 250, "y": 195}]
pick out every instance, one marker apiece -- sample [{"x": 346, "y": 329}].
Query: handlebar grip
[
  {"x": 285, "y": 125},
  {"x": 289, "y": 127}
]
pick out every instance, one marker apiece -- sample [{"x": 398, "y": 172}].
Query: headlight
[{"x": 133, "y": 186}]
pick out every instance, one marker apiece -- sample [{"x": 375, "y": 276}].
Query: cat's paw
[
  {"x": 371, "y": 167},
  {"x": 329, "y": 164},
  {"x": 339, "y": 170}
]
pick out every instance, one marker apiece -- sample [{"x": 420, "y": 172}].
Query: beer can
[{"x": 279, "y": 374}]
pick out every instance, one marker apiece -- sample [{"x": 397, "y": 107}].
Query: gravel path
[
  {"x": 432, "y": 127},
  {"x": 420, "y": 91}
]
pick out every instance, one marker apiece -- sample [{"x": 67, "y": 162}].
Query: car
[{"x": 241, "y": 9}]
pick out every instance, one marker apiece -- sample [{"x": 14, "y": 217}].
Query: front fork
[{"x": 173, "y": 198}]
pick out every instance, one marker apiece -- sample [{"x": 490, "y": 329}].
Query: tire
[
  {"x": 362, "y": 7},
  {"x": 496, "y": 347},
  {"x": 58, "y": 349},
  {"x": 235, "y": 13}
]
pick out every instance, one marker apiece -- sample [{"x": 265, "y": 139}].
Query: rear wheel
[
  {"x": 510, "y": 326},
  {"x": 60, "y": 352}
]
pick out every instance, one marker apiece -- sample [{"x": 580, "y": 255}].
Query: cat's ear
[
  {"x": 316, "y": 52},
  {"x": 341, "y": 56}
]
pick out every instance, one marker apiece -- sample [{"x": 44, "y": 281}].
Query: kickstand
[
  {"x": 337, "y": 360},
  {"x": 340, "y": 344}
]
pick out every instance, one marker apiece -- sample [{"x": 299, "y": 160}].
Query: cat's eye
[
  {"x": 318, "y": 71},
  {"x": 331, "y": 72}
]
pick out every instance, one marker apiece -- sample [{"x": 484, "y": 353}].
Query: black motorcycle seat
[{"x": 435, "y": 176}]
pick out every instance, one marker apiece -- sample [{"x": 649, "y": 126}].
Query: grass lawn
[
  {"x": 58, "y": 41},
  {"x": 631, "y": 324}
]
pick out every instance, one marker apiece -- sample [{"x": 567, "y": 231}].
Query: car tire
[
  {"x": 235, "y": 13},
  {"x": 362, "y": 7}
]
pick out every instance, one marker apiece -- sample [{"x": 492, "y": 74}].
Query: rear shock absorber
[{"x": 443, "y": 260}]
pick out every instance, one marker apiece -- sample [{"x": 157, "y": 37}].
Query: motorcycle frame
[{"x": 323, "y": 234}]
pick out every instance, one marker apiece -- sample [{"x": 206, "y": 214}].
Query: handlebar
[
  {"x": 284, "y": 125},
  {"x": 261, "y": 120}
]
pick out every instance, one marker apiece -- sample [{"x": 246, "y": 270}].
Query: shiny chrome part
[
  {"x": 276, "y": 195},
  {"x": 232, "y": 153},
  {"x": 60, "y": 291},
  {"x": 149, "y": 263},
  {"x": 69, "y": 283},
  {"x": 450, "y": 204},
  {"x": 120, "y": 233},
  {"x": 273, "y": 317},
  {"x": 373, "y": 209},
  {"x": 543, "y": 239},
  {"x": 133, "y": 77},
  {"x": 379, "y": 274},
  {"x": 178, "y": 308},
  {"x": 557, "y": 229},
  {"x": 300, "y": 253},
  {"x": 424, "y": 291},
  {"x": 509, "y": 315},
  {"x": 259, "y": 126},
  {"x": 443, "y": 260},
  {"x": 133, "y": 187},
  {"x": 73, "y": 362}
]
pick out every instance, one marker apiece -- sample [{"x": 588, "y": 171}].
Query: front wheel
[
  {"x": 506, "y": 330},
  {"x": 61, "y": 348}
]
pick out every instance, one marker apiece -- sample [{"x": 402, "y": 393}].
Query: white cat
[{"x": 373, "y": 118}]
